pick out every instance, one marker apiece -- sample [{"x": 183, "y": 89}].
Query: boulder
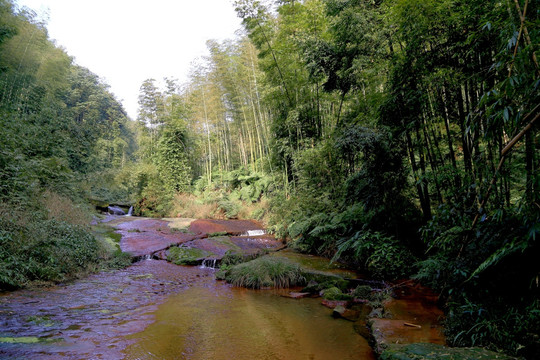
[
  {"x": 333, "y": 303},
  {"x": 297, "y": 295},
  {"x": 115, "y": 210},
  {"x": 339, "y": 311}
]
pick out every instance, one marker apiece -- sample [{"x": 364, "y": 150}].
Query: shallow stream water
[
  {"x": 216, "y": 321},
  {"x": 156, "y": 310}
]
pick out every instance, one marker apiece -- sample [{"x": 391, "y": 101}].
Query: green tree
[
  {"x": 172, "y": 159},
  {"x": 150, "y": 112}
]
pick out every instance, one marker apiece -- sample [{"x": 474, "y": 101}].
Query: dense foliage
[
  {"x": 62, "y": 135},
  {"x": 399, "y": 136}
]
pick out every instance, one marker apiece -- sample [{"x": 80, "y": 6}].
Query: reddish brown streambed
[
  {"x": 154, "y": 309},
  {"x": 90, "y": 318},
  {"x": 216, "y": 321}
]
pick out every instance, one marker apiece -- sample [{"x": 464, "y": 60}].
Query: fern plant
[{"x": 380, "y": 255}]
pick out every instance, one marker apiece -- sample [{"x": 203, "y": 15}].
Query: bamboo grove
[
  {"x": 61, "y": 128},
  {"x": 400, "y": 135},
  {"x": 63, "y": 135}
]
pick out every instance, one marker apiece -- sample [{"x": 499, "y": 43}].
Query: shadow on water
[
  {"x": 156, "y": 310},
  {"x": 217, "y": 321}
]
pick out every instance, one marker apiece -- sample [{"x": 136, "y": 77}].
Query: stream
[{"x": 158, "y": 310}]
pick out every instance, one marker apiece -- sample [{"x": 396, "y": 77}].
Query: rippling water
[{"x": 156, "y": 310}]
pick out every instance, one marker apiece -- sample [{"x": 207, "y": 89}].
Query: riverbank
[{"x": 170, "y": 311}]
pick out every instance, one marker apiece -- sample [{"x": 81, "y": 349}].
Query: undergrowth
[
  {"x": 44, "y": 250},
  {"x": 265, "y": 272},
  {"x": 489, "y": 279},
  {"x": 40, "y": 243}
]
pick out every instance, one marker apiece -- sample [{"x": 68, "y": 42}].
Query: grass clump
[
  {"x": 232, "y": 258},
  {"x": 265, "y": 272}
]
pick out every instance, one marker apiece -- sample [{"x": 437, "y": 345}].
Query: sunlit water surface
[{"x": 216, "y": 321}]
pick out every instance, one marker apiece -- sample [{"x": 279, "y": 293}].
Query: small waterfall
[
  {"x": 209, "y": 263},
  {"x": 254, "y": 233},
  {"x": 148, "y": 257},
  {"x": 130, "y": 211}
]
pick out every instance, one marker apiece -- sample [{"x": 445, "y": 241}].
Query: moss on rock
[
  {"x": 187, "y": 256},
  {"x": 335, "y": 293},
  {"x": 326, "y": 280}
]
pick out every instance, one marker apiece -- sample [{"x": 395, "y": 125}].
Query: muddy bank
[{"x": 410, "y": 316}]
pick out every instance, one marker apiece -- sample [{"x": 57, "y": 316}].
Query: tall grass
[
  {"x": 213, "y": 204},
  {"x": 62, "y": 208},
  {"x": 266, "y": 272},
  {"x": 190, "y": 206}
]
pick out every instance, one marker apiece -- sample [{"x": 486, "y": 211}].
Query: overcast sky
[{"x": 128, "y": 41}]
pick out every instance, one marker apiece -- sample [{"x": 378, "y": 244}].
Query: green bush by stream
[
  {"x": 46, "y": 250},
  {"x": 44, "y": 246},
  {"x": 265, "y": 272}
]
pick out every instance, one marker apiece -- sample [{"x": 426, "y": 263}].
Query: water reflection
[{"x": 215, "y": 321}]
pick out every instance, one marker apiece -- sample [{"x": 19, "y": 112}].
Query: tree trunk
[{"x": 426, "y": 207}]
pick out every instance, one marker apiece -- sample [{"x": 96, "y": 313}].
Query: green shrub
[
  {"x": 44, "y": 250},
  {"x": 118, "y": 260},
  {"x": 230, "y": 208},
  {"x": 258, "y": 214},
  {"x": 495, "y": 325},
  {"x": 362, "y": 292},
  {"x": 265, "y": 272},
  {"x": 380, "y": 255},
  {"x": 334, "y": 293},
  {"x": 489, "y": 277}
]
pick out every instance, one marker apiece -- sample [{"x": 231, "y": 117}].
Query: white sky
[{"x": 127, "y": 41}]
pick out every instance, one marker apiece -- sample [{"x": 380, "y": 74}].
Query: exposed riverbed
[{"x": 157, "y": 310}]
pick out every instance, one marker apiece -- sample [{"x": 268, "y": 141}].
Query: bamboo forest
[{"x": 343, "y": 179}]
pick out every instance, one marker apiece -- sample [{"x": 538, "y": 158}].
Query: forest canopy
[{"x": 399, "y": 136}]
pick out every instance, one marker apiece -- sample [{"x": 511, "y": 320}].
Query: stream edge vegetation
[{"x": 398, "y": 136}]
